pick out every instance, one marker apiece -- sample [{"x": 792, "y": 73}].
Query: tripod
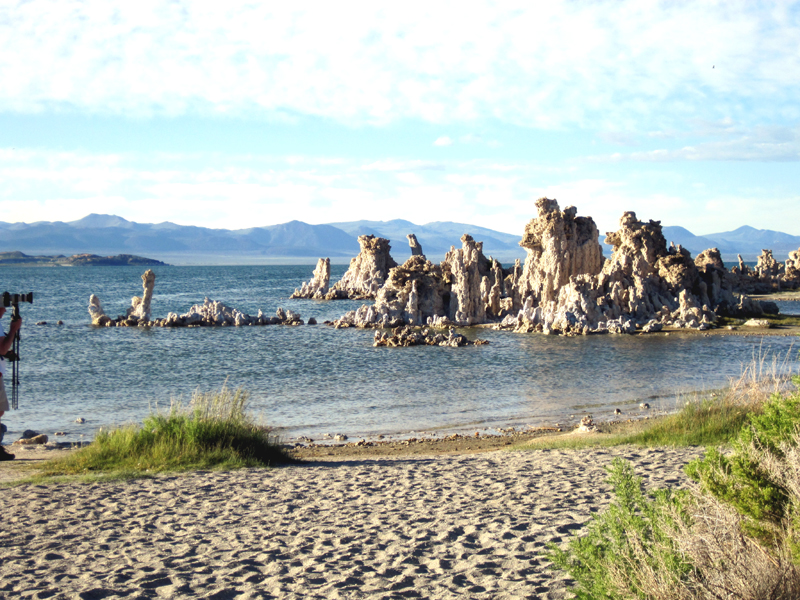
[
  {"x": 13, "y": 300},
  {"x": 15, "y": 364}
]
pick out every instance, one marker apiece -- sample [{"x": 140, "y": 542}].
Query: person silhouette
[{"x": 6, "y": 341}]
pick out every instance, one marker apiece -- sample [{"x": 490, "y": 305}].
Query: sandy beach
[{"x": 436, "y": 526}]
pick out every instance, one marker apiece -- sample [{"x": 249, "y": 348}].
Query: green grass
[
  {"x": 699, "y": 423},
  {"x": 213, "y": 431},
  {"x": 711, "y": 420}
]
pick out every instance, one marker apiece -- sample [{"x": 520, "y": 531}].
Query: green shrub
[
  {"x": 745, "y": 478},
  {"x": 736, "y": 535},
  {"x": 629, "y": 548},
  {"x": 213, "y": 431}
]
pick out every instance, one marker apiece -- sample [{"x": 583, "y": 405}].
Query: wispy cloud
[
  {"x": 765, "y": 144},
  {"x": 544, "y": 64},
  {"x": 215, "y": 191}
]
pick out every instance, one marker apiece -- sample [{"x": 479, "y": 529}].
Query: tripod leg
[{"x": 15, "y": 377}]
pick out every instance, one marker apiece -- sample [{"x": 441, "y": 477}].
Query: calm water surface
[{"x": 312, "y": 380}]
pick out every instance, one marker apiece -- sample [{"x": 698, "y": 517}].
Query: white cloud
[
  {"x": 541, "y": 64},
  {"x": 443, "y": 141},
  {"x": 758, "y": 144},
  {"x": 243, "y": 191}
]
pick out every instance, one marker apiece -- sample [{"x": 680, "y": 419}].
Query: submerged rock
[
  {"x": 213, "y": 313},
  {"x": 407, "y": 336}
]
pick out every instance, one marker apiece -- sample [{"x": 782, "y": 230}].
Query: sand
[{"x": 439, "y": 526}]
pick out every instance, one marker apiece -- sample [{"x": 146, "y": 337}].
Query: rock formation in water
[
  {"x": 560, "y": 245},
  {"x": 407, "y": 336},
  {"x": 412, "y": 292},
  {"x": 416, "y": 249},
  {"x": 367, "y": 271},
  {"x": 465, "y": 289},
  {"x": 362, "y": 280},
  {"x": 318, "y": 287},
  {"x": 137, "y": 313},
  {"x": 724, "y": 289},
  {"x": 96, "y": 312},
  {"x": 768, "y": 275},
  {"x": 792, "y": 269},
  {"x": 212, "y": 313},
  {"x": 468, "y": 272},
  {"x": 767, "y": 267},
  {"x": 644, "y": 285},
  {"x": 140, "y": 307},
  {"x": 566, "y": 285}
]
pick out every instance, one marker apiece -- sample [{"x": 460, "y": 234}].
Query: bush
[
  {"x": 737, "y": 535},
  {"x": 752, "y": 478},
  {"x": 213, "y": 431},
  {"x": 629, "y": 550}
]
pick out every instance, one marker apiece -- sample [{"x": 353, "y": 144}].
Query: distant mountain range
[
  {"x": 301, "y": 242},
  {"x": 747, "y": 241},
  {"x": 295, "y": 240},
  {"x": 436, "y": 238}
]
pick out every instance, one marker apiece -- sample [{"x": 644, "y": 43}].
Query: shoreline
[
  {"x": 409, "y": 445},
  {"x": 786, "y": 296}
]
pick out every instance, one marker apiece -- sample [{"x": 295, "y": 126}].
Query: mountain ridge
[{"x": 299, "y": 241}]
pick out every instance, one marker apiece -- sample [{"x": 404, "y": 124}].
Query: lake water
[{"x": 312, "y": 380}]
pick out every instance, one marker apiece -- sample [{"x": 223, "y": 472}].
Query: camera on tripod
[
  {"x": 15, "y": 299},
  {"x": 12, "y": 356}
]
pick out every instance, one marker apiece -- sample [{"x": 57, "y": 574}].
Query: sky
[{"x": 243, "y": 114}]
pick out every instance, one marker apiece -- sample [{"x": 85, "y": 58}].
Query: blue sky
[{"x": 241, "y": 114}]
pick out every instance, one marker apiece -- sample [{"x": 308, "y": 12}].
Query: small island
[{"x": 19, "y": 259}]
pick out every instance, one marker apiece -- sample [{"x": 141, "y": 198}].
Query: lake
[{"x": 313, "y": 380}]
